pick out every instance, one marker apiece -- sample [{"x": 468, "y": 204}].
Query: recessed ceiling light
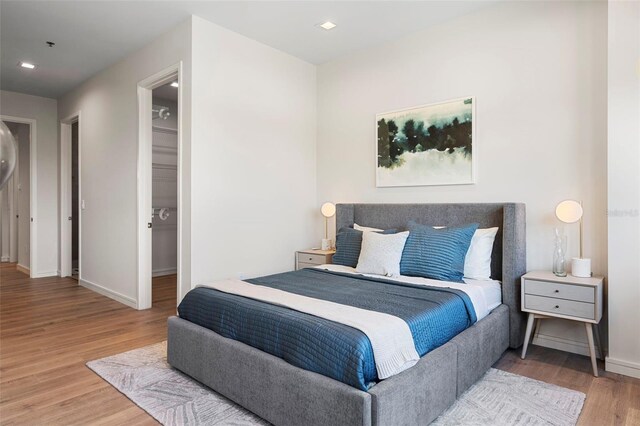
[
  {"x": 174, "y": 84},
  {"x": 26, "y": 65},
  {"x": 328, "y": 25}
]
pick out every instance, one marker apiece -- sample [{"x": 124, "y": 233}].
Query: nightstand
[
  {"x": 545, "y": 295},
  {"x": 313, "y": 257}
]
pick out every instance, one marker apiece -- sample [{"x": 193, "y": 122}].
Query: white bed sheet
[{"x": 485, "y": 295}]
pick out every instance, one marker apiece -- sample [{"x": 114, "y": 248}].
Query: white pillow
[
  {"x": 381, "y": 253},
  {"x": 366, "y": 228},
  {"x": 477, "y": 262}
]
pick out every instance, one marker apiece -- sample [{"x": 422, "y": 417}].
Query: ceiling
[{"x": 92, "y": 35}]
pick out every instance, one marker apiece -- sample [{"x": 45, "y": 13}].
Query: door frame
[
  {"x": 145, "y": 180},
  {"x": 65, "y": 266},
  {"x": 33, "y": 185}
]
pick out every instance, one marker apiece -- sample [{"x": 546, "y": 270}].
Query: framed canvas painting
[{"x": 426, "y": 145}]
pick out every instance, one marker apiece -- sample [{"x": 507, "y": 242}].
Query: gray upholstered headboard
[{"x": 508, "y": 262}]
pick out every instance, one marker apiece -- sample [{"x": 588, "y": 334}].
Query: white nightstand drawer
[
  {"x": 302, "y": 265},
  {"x": 316, "y": 259},
  {"x": 562, "y": 291},
  {"x": 559, "y": 306}
]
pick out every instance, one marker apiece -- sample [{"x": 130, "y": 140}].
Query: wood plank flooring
[{"x": 50, "y": 327}]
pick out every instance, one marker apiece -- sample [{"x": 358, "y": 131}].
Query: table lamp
[
  {"x": 570, "y": 211},
  {"x": 327, "y": 210}
]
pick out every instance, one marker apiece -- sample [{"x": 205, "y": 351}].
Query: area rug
[{"x": 172, "y": 398}]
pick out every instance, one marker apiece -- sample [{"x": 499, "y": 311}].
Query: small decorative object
[
  {"x": 426, "y": 145},
  {"x": 327, "y": 210},
  {"x": 570, "y": 211},
  {"x": 8, "y": 151},
  {"x": 559, "y": 268}
]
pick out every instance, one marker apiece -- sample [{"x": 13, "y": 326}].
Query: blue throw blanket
[{"x": 434, "y": 315}]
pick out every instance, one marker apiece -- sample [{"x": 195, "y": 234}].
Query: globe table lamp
[
  {"x": 571, "y": 211},
  {"x": 327, "y": 210}
]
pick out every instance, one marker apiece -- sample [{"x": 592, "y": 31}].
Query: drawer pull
[
  {"x": 557, "y": 307},
  {"x": 557, "y": 291},
  {"x": 311, "y": 258}
]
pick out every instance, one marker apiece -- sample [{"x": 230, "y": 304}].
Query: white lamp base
[
  {"x": 580, "y": 267},
  {"x": 326, "y": 244}
]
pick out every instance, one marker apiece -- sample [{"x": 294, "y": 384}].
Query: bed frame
[{"x": 288, "y": 395}]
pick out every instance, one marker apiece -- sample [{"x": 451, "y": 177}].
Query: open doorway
[
  {"x": 15, "y": 203},
  {"x": 164, "y": 199},
  {"x": 159, "y": 182},
  {"x": 75, "y": 202},
  {"x": 70, "y": 197}
]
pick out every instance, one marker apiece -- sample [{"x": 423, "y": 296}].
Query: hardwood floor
[
  {"x": 612, "y": 399},
  {"x": 50, "y": 327}
]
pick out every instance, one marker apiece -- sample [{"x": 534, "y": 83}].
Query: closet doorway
[
  {"x": 159, "y": 182},
  {"x": 16, "y": 200},
  {"x": 71, "y": 202},
  {"x": 164, "y": 194}
]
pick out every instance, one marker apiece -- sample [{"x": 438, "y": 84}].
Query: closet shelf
[
  {"x": 161, "y": 166},
  {"x": 164, "y": 130}
]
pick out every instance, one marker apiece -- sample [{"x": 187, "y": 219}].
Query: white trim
[
  {"x": 66, "y": 188},
  {"x": 562, "y": 344},
  {"x": 164, "y": 271},
  {"x": 145, "y": 182},
  {"x": 109, "y": 293},
  {"x": 23, "y": 269},
  {"x": 45, "y": 274},
  {"x": 33, "y": 189},
  {"x": 628, "y": 368}
]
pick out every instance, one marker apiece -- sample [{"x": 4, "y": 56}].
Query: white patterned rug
[{"x": 172, "y": 398}]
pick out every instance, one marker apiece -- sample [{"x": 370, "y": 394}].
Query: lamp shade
[
  {"x": 328, "y": 209},
  {"x": 569, "y": 211},
  {"x": 7, "y": 154}
]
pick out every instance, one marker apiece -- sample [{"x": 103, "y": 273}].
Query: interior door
[{"x": 65, "y": 200}]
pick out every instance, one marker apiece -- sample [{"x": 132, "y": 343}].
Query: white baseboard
[
  {"x": 165, "y": 271},
  {"x": 553, "y": 342},
  {"x": 23, "y": 269},
  {"x": 126, "y": 300},
  {"x": 631, "y": 369},
  {"x": 45, "y": 274}
]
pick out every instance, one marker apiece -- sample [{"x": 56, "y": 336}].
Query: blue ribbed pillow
[
  {"x": 436, "y": 253},
  {"x": 348, "y": 246}
]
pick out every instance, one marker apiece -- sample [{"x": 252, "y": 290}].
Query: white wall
[
  {"x": 109, "y": 154},
  {"x": 44, "y": 110},
  {"x": 624, "y": 187},
  {"x": 538, "y": 73},
  {"x": 248, "y": 156},
  {"x": 253, "y": 156}
]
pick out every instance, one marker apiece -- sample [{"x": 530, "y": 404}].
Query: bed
[{"x": 284, "y": 392}]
